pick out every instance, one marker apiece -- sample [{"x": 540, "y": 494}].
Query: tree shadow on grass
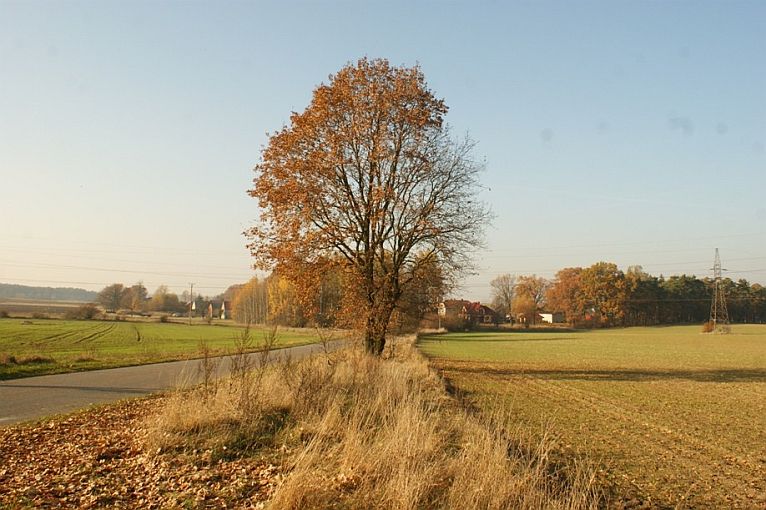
[
  {"x": 534, "y": 329},
  {"x": 719, "y": 376},
  {"x": 468, "y": 337}
]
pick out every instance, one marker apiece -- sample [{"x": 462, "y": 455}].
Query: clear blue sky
[{"x": 632, "y": 132}]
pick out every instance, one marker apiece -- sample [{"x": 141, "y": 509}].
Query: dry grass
[
  {"x": 7, "y": 359},
  {"x": 352, "y": 431}
]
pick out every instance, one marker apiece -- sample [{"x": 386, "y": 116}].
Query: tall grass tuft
[{"x": 364, "y": 432}]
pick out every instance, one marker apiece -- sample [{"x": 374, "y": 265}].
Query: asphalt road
[{"x": 36, "y": 397}]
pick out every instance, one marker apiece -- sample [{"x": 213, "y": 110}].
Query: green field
[
  {"x": 46, "y": 346},
  {"x": 669, "y": 416}
]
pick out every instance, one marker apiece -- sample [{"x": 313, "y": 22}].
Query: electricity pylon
[{"x": 719, "y": 314}]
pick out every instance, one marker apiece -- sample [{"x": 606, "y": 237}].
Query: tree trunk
[
  {"x": 375, "y": 336},
  {"x": 369, "y": 341},
  {"x": 376, "y": 329},
  {"x": 375, "y": 344}
]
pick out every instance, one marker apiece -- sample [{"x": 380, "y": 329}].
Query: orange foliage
[{"x": 366, "y": 181}]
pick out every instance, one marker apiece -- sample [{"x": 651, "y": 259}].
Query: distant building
[
  {"x": 226, "y": 310},
  {"x": 473, "y": 312},
  {"x": 552, "y": 318}
]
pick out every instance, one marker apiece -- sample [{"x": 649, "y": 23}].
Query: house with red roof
[{"x": 473, "y": 312}]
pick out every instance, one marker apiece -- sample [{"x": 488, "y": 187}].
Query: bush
[
  {"x": 7, "y": 359},
  {"x": 3, "y": 314},
  {"x": 40, "y": 315},
  {"x": 163, "y": 318},
  {"x": 708, "y": 327},
  {"x": 35, "y": 360},
  {"x": 84, "y": 312},
  {"x": 455, "y": 324}
]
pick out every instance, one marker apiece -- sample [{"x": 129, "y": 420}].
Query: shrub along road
[{"x": 36, "y": 397}]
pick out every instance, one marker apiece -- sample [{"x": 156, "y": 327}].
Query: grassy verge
[
  {"x": 350, "y": 431},
  {"x": 671, "y": 417},
  {"x": 48, "y": 346}
]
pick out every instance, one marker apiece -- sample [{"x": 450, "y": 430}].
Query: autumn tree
[
  {"x": 367, "y": 175},
  {"x": 530, "y": 296},
  {"x": 284, "y": 305},
  {"x": 603, "y": 289},
  {"x": 159, "y": 298},
  {"x": 232, "y": 291},
  {"x": 328, "y": 306},
  {"x": 165, "y": 301},
  {"x": 135, "y": 297},
  {"x": 503, "y": 288},
  {"x": 565, "y": 295},
  {"x": 111, "y": 296},
  {"x": 524, "y": 306},
  {"x": 251, "y": 302}
]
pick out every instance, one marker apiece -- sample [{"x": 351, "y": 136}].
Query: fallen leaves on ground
[{"x": 96, "y": 459}]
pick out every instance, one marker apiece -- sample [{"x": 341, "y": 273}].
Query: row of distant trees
[
  {"x": 136, "y": 298},
  {"x": 274, "y": 299},
  {"x": 603, "y": 295},
  {"x": 334, "y": 300}
]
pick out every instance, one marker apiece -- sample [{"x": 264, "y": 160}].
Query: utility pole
[
  {"x": 719, "y": 314},
  {"x": 191, "y": 302}
]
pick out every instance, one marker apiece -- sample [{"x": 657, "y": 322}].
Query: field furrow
[
  {"x": 675, "y": 419},
  {"x": 64, "y": 334},
  {"x": 643, "y": 431},
  {"x": 99, "y": 333}
]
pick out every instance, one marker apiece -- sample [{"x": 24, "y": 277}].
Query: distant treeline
[
  {"x": 603, "y": 295},
  {"x": 334, "y": 300},
  {"x": 12, "y": 291}
]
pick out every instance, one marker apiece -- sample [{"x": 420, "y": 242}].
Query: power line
[
  {"x": 552, "y": 272},
  {"x": 654, "y": 242},
  {"x": 104, "y": 284},
  {"x": 153, "y": 249},
  {"x": 117, "y": 270},
  {"x": 143, "y": 260},
  {"x": 122, "y": 247}
]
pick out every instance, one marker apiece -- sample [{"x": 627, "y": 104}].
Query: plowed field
[{"x": 672, "y": 418}]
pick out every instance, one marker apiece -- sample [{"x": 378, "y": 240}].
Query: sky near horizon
[{"x": 630, "y": 132}]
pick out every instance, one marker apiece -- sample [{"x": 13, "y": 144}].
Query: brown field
[
  {"x": 27, "y": 307},
  {"x": 671, "y": 417}
]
